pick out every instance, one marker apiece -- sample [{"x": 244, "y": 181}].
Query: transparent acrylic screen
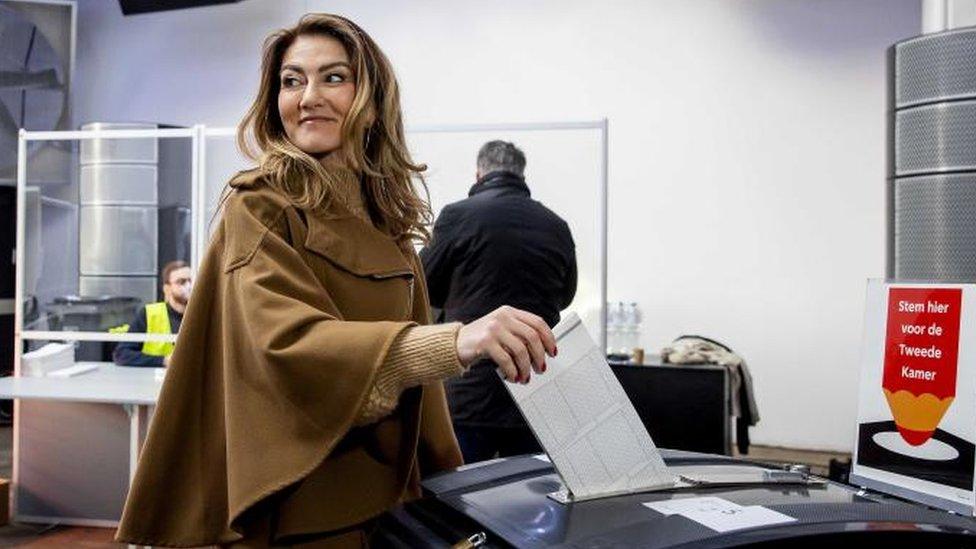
[{"x": 97, "y": 236}]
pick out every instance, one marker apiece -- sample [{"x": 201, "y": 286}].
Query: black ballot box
[
  {"x": 506, "y": 503},
  {"x": 683, "y": 407}
]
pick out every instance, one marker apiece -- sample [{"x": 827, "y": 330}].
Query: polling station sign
[{"x": 917, "y": 400}]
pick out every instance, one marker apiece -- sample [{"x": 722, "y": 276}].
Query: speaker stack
[{"x": 932, "y": 157}]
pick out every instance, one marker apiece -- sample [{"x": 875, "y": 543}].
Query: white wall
[{"x": 747, "y": 146}]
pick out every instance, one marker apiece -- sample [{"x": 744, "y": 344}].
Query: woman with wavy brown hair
[{"x": 304, "y": 396}]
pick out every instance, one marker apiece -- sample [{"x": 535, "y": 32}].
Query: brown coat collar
[{"x": 336, "y": 233}]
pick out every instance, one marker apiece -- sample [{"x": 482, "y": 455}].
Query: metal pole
[
  {"x": 19, "y": 301},
  {"x": 75, "y": 135},
  {"x": 196, "y": 203},
  {"x": 225, "y": 131},
  {"x": 503, "y": 127},
  {"x": 67, "y": 335},
  {"x": 19, "y": 252},
  {"x": 602, "y": 223}
]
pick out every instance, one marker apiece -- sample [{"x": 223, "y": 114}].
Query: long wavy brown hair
[{"x": 373, "y": 145}]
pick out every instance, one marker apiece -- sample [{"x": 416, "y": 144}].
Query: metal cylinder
[
  {"x": 118, "y": 217},
  {"x": 931, "y": 180}
]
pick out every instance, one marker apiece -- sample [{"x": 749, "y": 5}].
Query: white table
[{"x": 77, "y": 442}]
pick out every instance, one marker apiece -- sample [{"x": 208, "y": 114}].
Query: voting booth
[{"x": 91, "y": 240}]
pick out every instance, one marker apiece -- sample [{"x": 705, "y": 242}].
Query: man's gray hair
[{"x": 496, "y": 156}]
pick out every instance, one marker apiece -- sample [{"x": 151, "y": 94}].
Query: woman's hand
[{"x": 516, "y": 340}]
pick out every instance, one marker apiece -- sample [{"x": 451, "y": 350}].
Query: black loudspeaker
[
  {"x": 133, "y": 7},
  {"x": 931, "y": 155}
]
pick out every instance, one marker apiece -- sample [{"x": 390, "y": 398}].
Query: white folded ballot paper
[
  {"x": 586, "y": 424},
  {"x": 47, "y": 359}
]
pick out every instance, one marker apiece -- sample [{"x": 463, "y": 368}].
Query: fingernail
[
  {"x": 555, "y": 351},
  {"x": 543, "y": 366}
]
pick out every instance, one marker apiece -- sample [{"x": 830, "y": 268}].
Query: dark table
[{"x": 684, "y": 407}]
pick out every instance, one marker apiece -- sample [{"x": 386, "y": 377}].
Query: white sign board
[{"x": 917, "y": 402}]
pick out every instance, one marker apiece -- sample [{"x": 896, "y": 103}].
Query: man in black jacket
[{"x": 496, "y": 247}]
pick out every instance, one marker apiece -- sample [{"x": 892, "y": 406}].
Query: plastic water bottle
[
  {"x": 633, "y": 331},
  {"x": 613, "y": 329},
  {"x": 626, "y": 330},
  {"x": 622, "y": 331}
]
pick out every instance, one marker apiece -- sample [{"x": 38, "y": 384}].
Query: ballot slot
[{"x": 738, "y": 475}]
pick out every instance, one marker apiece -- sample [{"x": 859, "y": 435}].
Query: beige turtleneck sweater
[{"x": 419, "y": 355}]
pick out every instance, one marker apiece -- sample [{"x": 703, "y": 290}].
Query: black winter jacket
[{"x": 497, "y": 247}]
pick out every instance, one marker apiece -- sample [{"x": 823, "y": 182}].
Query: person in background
[
  {"x": 163, "y": 317},
  {"x": 498, "y": 246}
]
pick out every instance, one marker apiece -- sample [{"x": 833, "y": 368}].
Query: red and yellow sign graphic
[{"x": 921, "y": 358}]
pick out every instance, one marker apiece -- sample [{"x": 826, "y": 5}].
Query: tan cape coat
[{"x": 291, "y": 316}]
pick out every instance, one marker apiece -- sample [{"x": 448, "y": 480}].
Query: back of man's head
[{"x": 500, "y": 156}]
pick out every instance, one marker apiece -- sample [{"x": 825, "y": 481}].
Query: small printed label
[{"x": 719, "y": 514}]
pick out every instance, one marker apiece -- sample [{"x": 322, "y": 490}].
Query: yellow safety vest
[{"x": 157, "y": 322}]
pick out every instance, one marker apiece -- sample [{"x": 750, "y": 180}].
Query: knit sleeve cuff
[{"x": 420, "y": 355}]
